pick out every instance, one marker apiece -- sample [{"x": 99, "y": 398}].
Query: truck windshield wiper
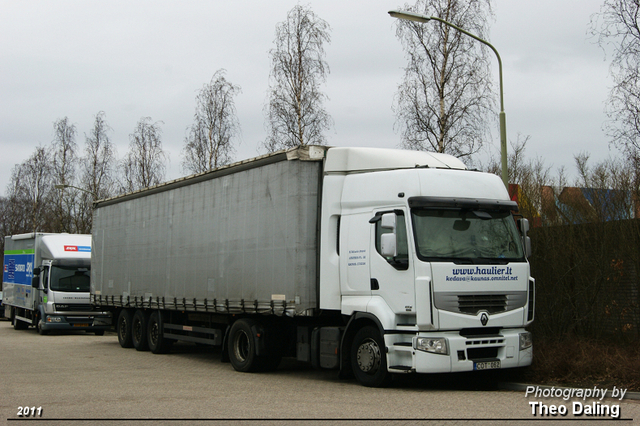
[
  {"x": 462, "y": 260},
  {"x": 492, "y": 260}
]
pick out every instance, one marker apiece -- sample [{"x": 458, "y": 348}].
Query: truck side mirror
[
  {"x": 523, "y": 224},
  {"x": 388, "y": 241},
  {"x": 35, "y": 281}
]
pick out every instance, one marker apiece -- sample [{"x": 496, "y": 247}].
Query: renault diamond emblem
[{"x": 484, "y": 318}]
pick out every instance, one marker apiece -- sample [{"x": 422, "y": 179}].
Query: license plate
[
  {"x": 489, "y": 365},
  {"x": 81, "y": 325}
]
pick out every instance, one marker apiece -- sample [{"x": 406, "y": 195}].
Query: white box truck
[
  {"x": 46, "y": 283},
  {"x": 371, "y": 261}
]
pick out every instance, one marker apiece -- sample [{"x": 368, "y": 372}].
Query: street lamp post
[
  {"x": 503, "y": 120},
  {"x": 65, "y": 186}
]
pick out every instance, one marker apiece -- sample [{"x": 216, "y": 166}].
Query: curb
[{"x": 521, "y": 387}]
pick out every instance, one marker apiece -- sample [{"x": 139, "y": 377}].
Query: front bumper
[
  {"x": 463, "y": 352},
  {"x": 75, "y": 322}
]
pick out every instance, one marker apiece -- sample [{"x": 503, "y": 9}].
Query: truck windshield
[
  {"x": 466, "y": 236},
  {"x": 71, "y": 279}
]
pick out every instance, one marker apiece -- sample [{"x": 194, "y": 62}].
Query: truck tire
[
  {"x": 39, "y": 327},
  {"x": 139, "y": 330},
  {"x": 18, "y": 324},
  {"x": 158, "y": 344},
  {"x": 242, "y": 346},
  {"x": 368, "y": 358},
  {"x": 123, "y": 327}
]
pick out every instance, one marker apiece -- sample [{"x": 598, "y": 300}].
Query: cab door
[
  {"x": 43, "y": 290},
  {"x": 392, "y": 275}
]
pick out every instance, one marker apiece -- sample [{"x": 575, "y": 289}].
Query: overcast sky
[{"x": 134, "y": 59}]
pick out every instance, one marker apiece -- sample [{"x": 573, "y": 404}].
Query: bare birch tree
[
  {"x": 17, "y": 217},
  {"x": 617, "y": 26},
  {"x": 5, "y": 220},
  {"x": 531, "y": 175},
  {"x": 30, "y": 194},
  {"x": 295, "y": 114},
  {"x": 144, "y": 165},
  {"x": 443, "y": 102},
  {"x": 99, "y": 161},
  {"x": 64, "y": 173},
  {"x": 97, "y": 173},
  {"x": 209, "y": 143}
]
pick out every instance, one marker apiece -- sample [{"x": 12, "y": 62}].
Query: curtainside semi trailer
[{"x": 371, "y": 261}]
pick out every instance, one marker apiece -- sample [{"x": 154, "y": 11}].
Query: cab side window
[
  {"x": 401, "y": 260},
  {"x": 45, "y": 278}
]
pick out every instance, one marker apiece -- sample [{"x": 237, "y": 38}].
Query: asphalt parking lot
[{"x": 79, "y": 378}]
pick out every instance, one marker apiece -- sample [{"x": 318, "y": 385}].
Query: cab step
[{"x": 401, "y": 369}]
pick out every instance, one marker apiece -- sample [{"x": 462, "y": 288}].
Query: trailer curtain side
[{"x": 241, "y": 240}]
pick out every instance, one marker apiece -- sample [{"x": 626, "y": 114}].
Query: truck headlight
[
  {"x": 54, "y": 319},
  {"x": 433, "y": 345},
  {"x": 526, "y": 340}
]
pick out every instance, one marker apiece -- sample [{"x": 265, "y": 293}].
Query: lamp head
[{"x": 409, "y": 16}]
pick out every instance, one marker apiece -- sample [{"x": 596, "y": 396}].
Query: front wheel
[
  {"x": 39, "y": 326},
  {"x": 369, "y": 359}
]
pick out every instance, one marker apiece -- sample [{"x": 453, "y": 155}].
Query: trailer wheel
[
  {"x": 139, "y": 330},
  {"x": 123, "y": 328},
  {"x": 155, "y": 335},
  {"x": 242, "y": 346},
  {"x": 368, "y": 358}
]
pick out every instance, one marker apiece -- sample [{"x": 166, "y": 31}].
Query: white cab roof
[
  {"x": 66, "y": 246},
  {"x": 345, "y": 160}
]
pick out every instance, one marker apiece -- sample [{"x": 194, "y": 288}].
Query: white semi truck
[
  {"x": 46, "y": 283},
  {"x": 370, "y": 261}
]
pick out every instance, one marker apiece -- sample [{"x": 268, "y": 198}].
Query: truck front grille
[
  {"x": 76, "y": 307},
  {"x": 472, "y": 303}
]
